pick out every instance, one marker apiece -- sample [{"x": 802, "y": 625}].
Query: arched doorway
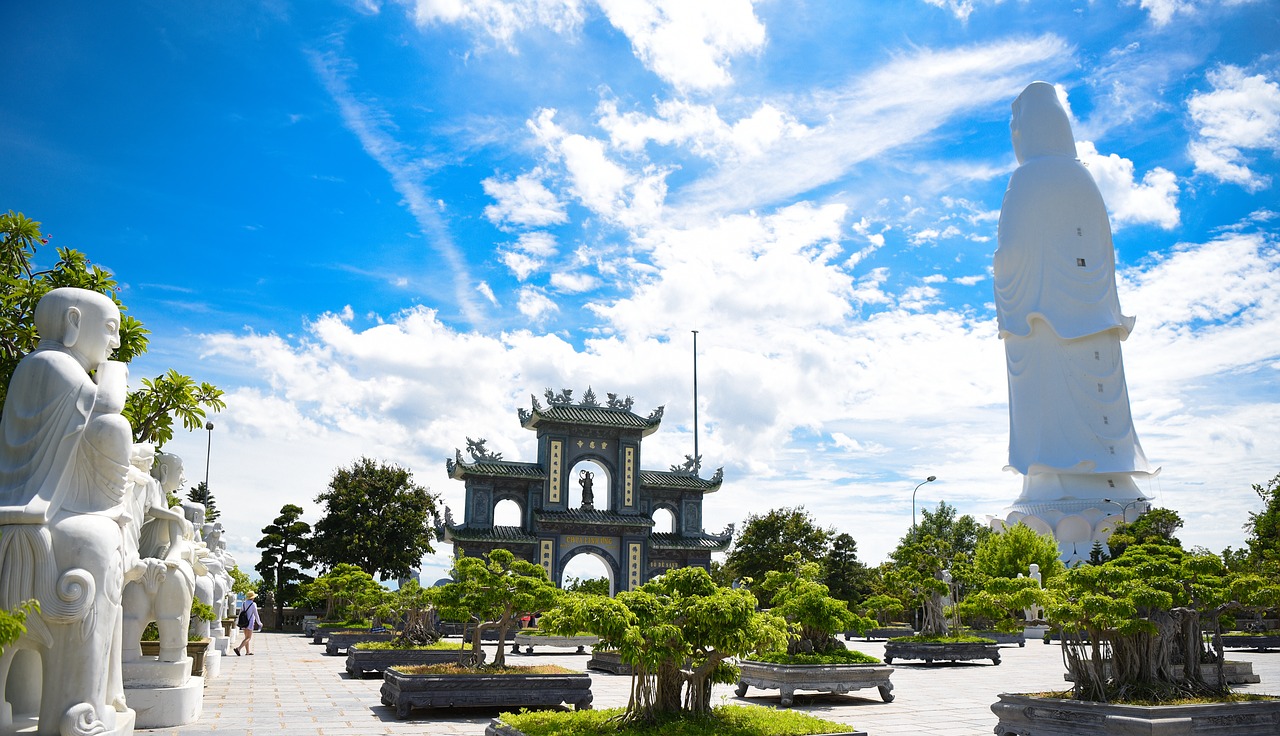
[
  {"x": 599, "y": 482},
  {"x": 508, "y": 513},
  {"x": 584, "y": 568},
  {"x": 664, "y": 521}
]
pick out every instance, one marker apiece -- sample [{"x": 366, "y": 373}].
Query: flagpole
[{"x": 695, "y": 402}]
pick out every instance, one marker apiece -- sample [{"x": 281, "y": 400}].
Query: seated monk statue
[{"x": 64, "y": 465}]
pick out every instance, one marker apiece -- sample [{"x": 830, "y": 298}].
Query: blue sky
[{"x": 380, "y": 226}]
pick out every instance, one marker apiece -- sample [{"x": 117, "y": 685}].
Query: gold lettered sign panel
[
  {"x": 557, "y": 460},
  {"x": 609, "y": 544},
  {"x": 548, "y": 549},
  {"x": 633, "y": 566},
  {"x": 629, "y": 478}
]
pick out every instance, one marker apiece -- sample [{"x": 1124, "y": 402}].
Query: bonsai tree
[
  {"x": 348, "y": 593},
  {"x": 807, "y": 605},
  {"x": 1001, "y": 602},
  {"x": 1126, "y": 622},
  {"x": 919, "y": 568},
  {"x": 883, "y": 608},
  {"x": 677, "y": 631},
  {"x": 495, "y": 593}
]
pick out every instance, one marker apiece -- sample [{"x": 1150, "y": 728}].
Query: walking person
[{"x": 248, "y": 622}]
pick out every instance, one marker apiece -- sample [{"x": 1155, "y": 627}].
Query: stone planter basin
[
  {"x": 360, "y": 660},
  {"x": 529, "y": 641},
  {"x": 498, "y": 728},
  {"x": 195, "y": 650},
  {"x": 1025, "y": 715},
  {"x": 1260, "y": 643},
  {"x": 1003, "y": 637},
  {"x": 340, "y": 641},
  {"x": 940, "y": 652},
  {"x": 608, "y": 661},
  {"x": 827, "y": 678},
  {"x": 406, "y": 692}
]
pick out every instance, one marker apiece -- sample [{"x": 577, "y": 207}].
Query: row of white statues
[{"x": 86, "y": 530}]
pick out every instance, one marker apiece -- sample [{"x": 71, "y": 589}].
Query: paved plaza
[{"x": 290, "y": 687}]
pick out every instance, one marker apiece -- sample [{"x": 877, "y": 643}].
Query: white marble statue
[
  {"x": 64, "y": 468},
  {"x": 1071, "y": 435},
  {"x": 165, "y": 535}
]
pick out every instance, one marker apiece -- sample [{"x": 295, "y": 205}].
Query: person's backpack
[{"x": 242, "y": 621}]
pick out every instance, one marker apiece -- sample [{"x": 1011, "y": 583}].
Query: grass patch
[
  {"x": 943, "y": 640},
  {"x": 726, "y": 720},
  {"x": 457, "y": 669},
  {"x": 383, "y": 646},
  {"x": 353, "y": 624},
  {"x": 838, "y": 656}
]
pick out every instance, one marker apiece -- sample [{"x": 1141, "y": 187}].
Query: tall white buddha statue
[
  {"x": 64, "y": 465},
  {"x": 1071, "y": 434}
]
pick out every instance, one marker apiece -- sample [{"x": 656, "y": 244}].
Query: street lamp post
[
  {"x": 1124, "y": 509},
  {"x": 930, "y": 479},
  {"x": 207, "y": 449}
]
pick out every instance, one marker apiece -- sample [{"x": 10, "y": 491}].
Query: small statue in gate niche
[{"x": 585, "y": 478}]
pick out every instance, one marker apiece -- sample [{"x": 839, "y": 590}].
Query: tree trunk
[
  {"x": 667, "y": 693},
  {"x": 935, "y": 623}
]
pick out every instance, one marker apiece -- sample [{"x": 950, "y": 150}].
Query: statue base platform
[
  {"x": 212, "y": 664},
  {"x": 150, "y": 672},
  {"x": 222, "y": 644},
  {"x": 165, "y": 707},
  {"x": 125, "y": 723}
]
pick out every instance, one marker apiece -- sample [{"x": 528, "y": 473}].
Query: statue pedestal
[
  {"x": 165, "y": 707},
  {"x": 125, "y": 723},
  {"x": 150, "y": 672},
  {"x": 212, "y": 664},
  {"x": 222, "y": 644}
]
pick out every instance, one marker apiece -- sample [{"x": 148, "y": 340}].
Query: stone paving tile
[{"x": 290, "y": 689}]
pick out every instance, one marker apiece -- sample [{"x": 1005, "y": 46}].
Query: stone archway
[{"x": 588, "y": 561}]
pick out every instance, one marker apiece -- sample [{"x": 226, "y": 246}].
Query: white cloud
[
  {"x": 521, "y": 265},
  {"x": 574, "y": 283},
  {"x": 501, "y": 20},
  {"x": 1162, "y": 11},
  {"x": 542, "y": 245},
  {"x": 688, "y": 43},
  {"x": 524, "y": 201},
  {"x": 535, "y": 305},
  {"x": 487, "y": 291},
  {"x": 700, "y": 127},
  {"x": 528, "y": 254},
  {"x": 597, "y": 181},
  {"x": 882, "y": 110},
  {"x": 1240, "y": 112},
  {"x": 1154, "y": 200}
]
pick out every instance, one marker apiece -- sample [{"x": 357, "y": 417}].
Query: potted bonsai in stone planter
[
  {"x": 680, "y": 633},
  {"x": 492, "y": 593},
  {"x": 813, "y": 659},
  {"x": 884, "y": 610},
  {"x": 1127, "y": 623},
  {"x": 417, "y": 643},
  {"x": 919, "y": 568}
]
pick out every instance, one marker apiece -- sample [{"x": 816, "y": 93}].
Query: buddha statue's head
[
  {"x": 84, "y": 322},
  {"x": 1040, "y": 125},
  {"x": 168, "y": 470}
]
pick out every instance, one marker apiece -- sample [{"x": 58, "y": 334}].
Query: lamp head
[{"x": 931, "y": 479}]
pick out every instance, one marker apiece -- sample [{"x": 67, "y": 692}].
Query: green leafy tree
[
  {"x": 284, "y": 557},
  {"x": 1264, "y": 526},
  {"x": 590, "y": 586},
  {"x": 883, "y": 608},
  {"x": 765, "y": 541},
  {"x": 918, "y": 568},
  {"x": 807, "y": 604},
  {"x": 1127, "y": 621},
  {"x": 494, "y": 594},
  {"x": 1001, "y": 603},
  {"x": 1011, "y": 553},
  {"x": 955, "y": 535},
  {"x": 150, "y": 409},
  {"x": 375, "y": 517},
  {"x": 200, "y": 494},
  {"x": 348, "y": 593},
  {"x": 1155, "y": 526},
  {"x": 844, "y": 574},
  {"x": 678, "y": 632}
]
